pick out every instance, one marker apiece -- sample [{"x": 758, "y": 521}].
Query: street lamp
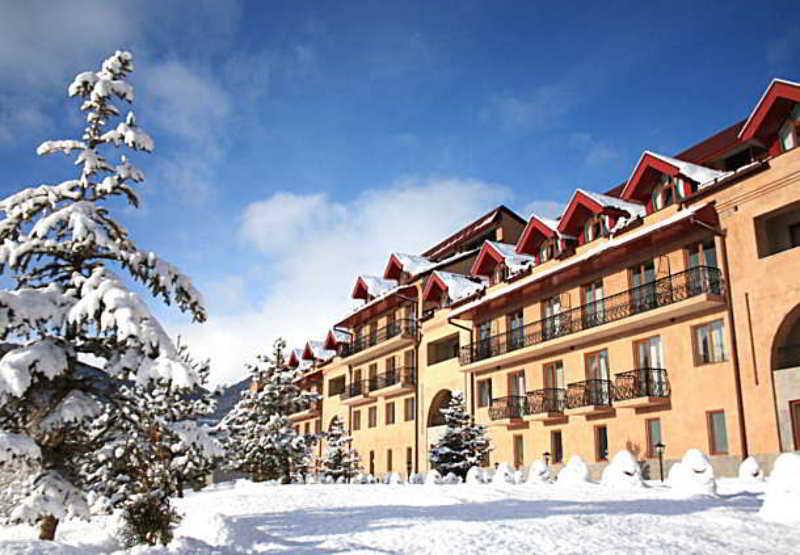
[
  {"x": 660, "y": 452},
  {"x": 546, "y": 456}
]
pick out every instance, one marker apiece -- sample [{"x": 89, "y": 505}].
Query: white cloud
[
  {"x": 541, "y": 108},
  {"x": 544, "y": 208},
  {"x": 594, "y": 151},
  {"x": 317, "y": 246}
]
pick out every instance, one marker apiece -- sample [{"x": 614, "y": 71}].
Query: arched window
[
  {"x": 440, "y": 401},
  {"x": 594, "y": 227},
  {"x": 668, "y": 191},
  {"x": 547, "y": 250}
]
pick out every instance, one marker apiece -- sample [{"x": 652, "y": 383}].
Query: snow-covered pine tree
[
  {"x": 464, "y": 443},
  {"x": 60, "y": 247},
  {"x": 260, "y": 439},
  {"x": 340, "y": 459}
]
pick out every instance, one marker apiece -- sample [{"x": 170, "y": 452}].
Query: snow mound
[
  {"x": 750, "y": 471},
  {"x": 693, "y": 475},
  {"x": 393, "y": 478},
  {"x": 416, "y": 478},
  {"x": 574, "y": 473},
  {"x": 210, "y": 527},
  {"x": 17, "y": 446},
  {"x": 433, "y": 478},
  {"x": 782, "y": 499},
  {"x": 474, "y": 475},
  {"x": 623, "y": 471},
  {"x": 451, "y": 479},
  {"x": 539, "y": 473},
  {"x": 503, "y": 474}
]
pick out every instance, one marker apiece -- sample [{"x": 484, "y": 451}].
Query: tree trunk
[{"x": 47, "y": 528}]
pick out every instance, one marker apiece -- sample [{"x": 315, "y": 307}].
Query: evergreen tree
[
  {"x": 60, "y": 247},
  {"x": 340, "y": 460},
  {"x": 260, "y": 439},
  {"x": 464, "y": 443}
]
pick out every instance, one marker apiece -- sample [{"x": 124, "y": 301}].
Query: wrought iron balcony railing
[
  {"x": 405, "y": 326},
  {"x": 547, "y": 400},
  {"x": 642, "y": 382},
  {"x": 311, "y": 406},
  {"x": 512, "y": 406},
  {"x": 597, "y": 393},
  {"x": 403, "y": 375},
  {"x": 662, "y": 292},
  {"x": 355, "y": 389}
]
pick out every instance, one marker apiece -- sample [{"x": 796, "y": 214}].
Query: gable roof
[
  {"x": 367, "y": 287},
  {"x": 316, "y": 351},
  {"x": 669, "y": 166},
  {"x": 457, "y": 286},
  {"x": 470, "y": 231},
  {"x": 501, "y": 252},
  {"x": 413, "y": 264},
  {"x": 774, "y": 105},
  {"x": 597, "y": 203},
  {"x": 334, "y": 338},
  {"x": 546, "y": 227}
]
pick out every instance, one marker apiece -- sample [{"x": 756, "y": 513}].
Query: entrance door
[{"x": 794, "y": 409}]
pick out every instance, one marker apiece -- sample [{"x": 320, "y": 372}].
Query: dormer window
[
  {"x": 498, "y": 274},
  {"x": 547, "y": 250},
  {"x": 668, "y": 191},
  {"x": 594, "y": 227}
]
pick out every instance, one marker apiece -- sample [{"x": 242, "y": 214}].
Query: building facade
[{"x": 663, "y": 311}]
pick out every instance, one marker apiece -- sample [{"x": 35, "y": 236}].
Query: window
[
  {"x": 554, "y": 375},
  {"x": 516, "y": 331},
  {"x": 409, "y": 460},
  {"x": 388, "y": 460},
  {"x": 372, "y": 417},
  {"x": 710, "y": 342},
  {"x": 516, "y": 384},
  {"x": 372, "y": 330},
  {"x": 498, "y": 274},
  {"x": 556, "y": 447},
  {"x": 593, "y": 305},
  {"x": 597, "y": 369},
  {"x": 356, "y": 420},
  {"x": 372, "y": 463},
  {"x": 390, "y": 413},
  {"x": 594, "y": 227},
  {"x": 547, "y": 250},
  {"x": 788, "y": 133},
  {"x": 553, "y": 321},
  {"x": 391, "y": 365},
  {"x": 669, "y": 190},
  {"x": 778, "y": 230},
  {"x": 519, "y": 451},
  {"x": 601, "y": 443},
  {"x": 642, "y": 279},
  {"x": 336, "y": 386},
  {"x": 653, "y": 429},
  {"x": 717, "y": 433},
  {"x": 317, "y": 426},
  {"x": 702, "y": 254},
  {"x": 410, "y": 408},
  {"x": 485, "y": 392},
  {"x": 307, "y": 428},
  {"x": 373, "y": 376},
  {"x": 647, "y": 353},
  {"x": 444, "y": 349}
]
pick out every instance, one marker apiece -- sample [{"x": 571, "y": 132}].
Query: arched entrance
[
  {"x": 786, "y": 377},
  {"x": 440, "y": 401}
]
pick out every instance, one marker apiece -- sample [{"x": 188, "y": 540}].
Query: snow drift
[{"x": 693, "y": 475}]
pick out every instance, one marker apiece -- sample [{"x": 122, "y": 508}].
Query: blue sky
[{"x": 292, "y": 138}]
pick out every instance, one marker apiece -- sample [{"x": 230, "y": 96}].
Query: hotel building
[{"x": 663, "y": 310}]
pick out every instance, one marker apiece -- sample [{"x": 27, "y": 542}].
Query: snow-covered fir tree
[
  {"x": 62, "y": 251},
  {"x": 340, "y": 459},
  {"x": 464, "y": 443},
  {"x": 260, "y": 439}
]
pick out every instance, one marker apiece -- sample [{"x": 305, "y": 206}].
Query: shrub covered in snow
[
  {"x": 782, "y": 498},
  {"x": 693, "y": 475},
  {"x": 623, "y": 471},
  {"x": 463, "y": 445},
  {"x": 575, "y": 472},
  {"x": 750, "y": 471},
  {"x": 61, "y": 248},
  {"x": 539, "y": 473},
  {"x": 503, "y": 474}
]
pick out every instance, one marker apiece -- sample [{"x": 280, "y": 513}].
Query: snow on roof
[
  {"x": 612, "y": 243},
  {"x": 318, "y": 351},
  {"x": 698, "y": 174},
  {"x": 413, "y": 263},
  {"x": 341, "y": 336},
  {"x": 459, "y": 286},
  {"x": 761, "y": 100},
  {"x": 514, "y": 261},
  {"x": 377, "y": 286},
  {"x": 608, "y": 201}
]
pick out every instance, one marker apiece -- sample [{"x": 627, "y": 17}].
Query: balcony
[
  {"x": 546, "y": 404},
  {"x": 590, "y": 396},
  {"x": 642, "y": 387},
  {"x": 356, "y": 393},
  {"x": 312, "y": 410},
  {"x": 395, "y": 382},
  {"x": 381, "y": 340},
  {"x": 652, "y": 301},
  {"x": 508, "y": 408}
]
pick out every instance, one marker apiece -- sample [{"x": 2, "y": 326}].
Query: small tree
[
  {"x": 260, "y": 439},
  {"x": 340, "y": 460},
  {"x": 464, "y": 443}
]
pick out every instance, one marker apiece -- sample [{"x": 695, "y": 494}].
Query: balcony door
[
  {"x": 484, "y": 339},
  {"x": 649, "y": 354},
  {"x": 554, "y": 375},
  {"x": 599, "y": 388},
  {"x": 594, "y": 309},
  {"x": 552, "y": 325},
  {"x": 649, "y": 362},
  {"x": 516, "y": 333},
  {"x": 391, "y": 370},
  {"x": 516, "y": 384},
  {"x": 642, "y": 281}
]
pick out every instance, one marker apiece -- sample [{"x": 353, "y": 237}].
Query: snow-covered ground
[{"x": 245, "y": 517}]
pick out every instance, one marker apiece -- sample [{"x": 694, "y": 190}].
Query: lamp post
[
  {"x": 660, "y": 451},
  {"x": 546, "y": 456}
]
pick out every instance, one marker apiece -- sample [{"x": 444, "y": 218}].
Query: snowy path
[{"x": 243, "y": 517}]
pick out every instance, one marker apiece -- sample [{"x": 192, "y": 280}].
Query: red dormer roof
[
  {"x": 652, "y": 165},
  {"x": 772, "y": 109},
  {"x": 487, "y": 259},
  {"x": 537, "y": 231},
  {"x": 585, "y": 204},
  {"x": 435, "y": 287},
  {"x": 294, "y": 358},
  {"x": 334, "y": 338}
]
